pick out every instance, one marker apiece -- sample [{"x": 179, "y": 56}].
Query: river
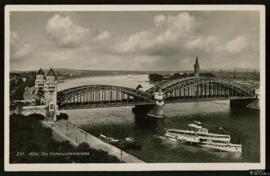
[{"x": 119, "y": 122}]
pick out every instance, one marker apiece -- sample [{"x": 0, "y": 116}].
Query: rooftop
[
  {"x": 51, "y": 73},
  {"x": 40, "y": 72}
]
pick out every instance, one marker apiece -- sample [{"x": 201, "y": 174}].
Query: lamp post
[{"x": 121, "y": 150}]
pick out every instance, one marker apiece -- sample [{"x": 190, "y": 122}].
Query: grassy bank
[{"x": 30, "y": 142}]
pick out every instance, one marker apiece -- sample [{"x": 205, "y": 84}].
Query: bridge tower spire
[
  {"x": 196, "y": 68},
  {"x": 40, "y": 79},
  {"x": 50, "y": 90}
]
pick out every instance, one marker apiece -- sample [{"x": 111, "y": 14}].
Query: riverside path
[{"x": 75, "y": 136}]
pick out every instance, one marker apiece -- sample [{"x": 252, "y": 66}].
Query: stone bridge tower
[
  {"x": 50, "y": 91},
  {"x": 39, "y": 87},
  {"x": 40, "y": 79}
]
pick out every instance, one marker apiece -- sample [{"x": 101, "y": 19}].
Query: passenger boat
[{"x": 199, "y": 135}]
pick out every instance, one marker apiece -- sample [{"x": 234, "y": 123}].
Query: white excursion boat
[{"x": 200, "y": 136}]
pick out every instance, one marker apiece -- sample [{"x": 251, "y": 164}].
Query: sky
[{"x": 142, "y": 40}]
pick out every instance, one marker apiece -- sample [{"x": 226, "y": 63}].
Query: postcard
[{"x": 134, "y": 87}]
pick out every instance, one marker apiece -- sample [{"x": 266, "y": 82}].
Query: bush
[{"x": 62, "y": 116}]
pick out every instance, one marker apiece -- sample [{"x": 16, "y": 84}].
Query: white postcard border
[{"x": 129, "y": 166}]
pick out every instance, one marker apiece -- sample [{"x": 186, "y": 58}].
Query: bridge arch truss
[
  {"x": 202, "y": 88},
  {"x": 92, "y": 96}
]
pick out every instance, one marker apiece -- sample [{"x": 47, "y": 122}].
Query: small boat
[
  {"x": 197, "y": 122},
  {"x": 129, "y": 143},
  {"x": 129, "y": 76},
  {"x": 109, "y": 140},
  {"x": 200, "y": 136},
  {"x": 112, "y": 140},
  {"x": 129, "y": 140},
  {"x": 126, "y": 143}
]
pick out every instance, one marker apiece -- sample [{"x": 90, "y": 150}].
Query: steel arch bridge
[
  {"x": 202, "y": 89},
  {"x": 180, "y": 90},
  {"x": 94, "y": 96}
]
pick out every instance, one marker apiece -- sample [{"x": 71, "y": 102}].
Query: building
[
  {"x": 46, "y": 91},
  {"x": 50, "y": 90},
  {"x": 40, "y": 79},
  {"x": 196, "y": 68}
]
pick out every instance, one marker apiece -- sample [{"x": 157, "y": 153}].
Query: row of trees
[
  {"x": 18, "y": 83},
  {"x": 158, "y": 77}
]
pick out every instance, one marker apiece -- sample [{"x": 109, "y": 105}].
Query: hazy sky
[{"x": 134, "y": 40}]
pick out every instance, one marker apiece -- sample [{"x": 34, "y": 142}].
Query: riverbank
[
  {"x": 65, "y": 130},
  {"x": 131, "y": 82},
  {"x": 31, "y": 142},
  {"x": 254, "y": 105}
]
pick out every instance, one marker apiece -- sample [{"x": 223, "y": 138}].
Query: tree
[
  {"x": 155, "y": 77},
  {"x": 139, "y": 87},
  {"x": 83, "y": 147}
]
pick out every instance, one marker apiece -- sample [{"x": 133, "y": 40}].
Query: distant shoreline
[{"x": 91, "y": 76}]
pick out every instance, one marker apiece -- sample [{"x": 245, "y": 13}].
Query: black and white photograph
[{"x": 134, "y": 87}]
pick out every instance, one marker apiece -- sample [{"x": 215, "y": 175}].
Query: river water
[{"x": 119, "y": 122}]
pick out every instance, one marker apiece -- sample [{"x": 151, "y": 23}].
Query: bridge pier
[
  {"x": 142, "y": 109},
  {"x": 156, "y": 112},
  {"x": 152, "y": 110},
  {"x": 241, "y": 103}
]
